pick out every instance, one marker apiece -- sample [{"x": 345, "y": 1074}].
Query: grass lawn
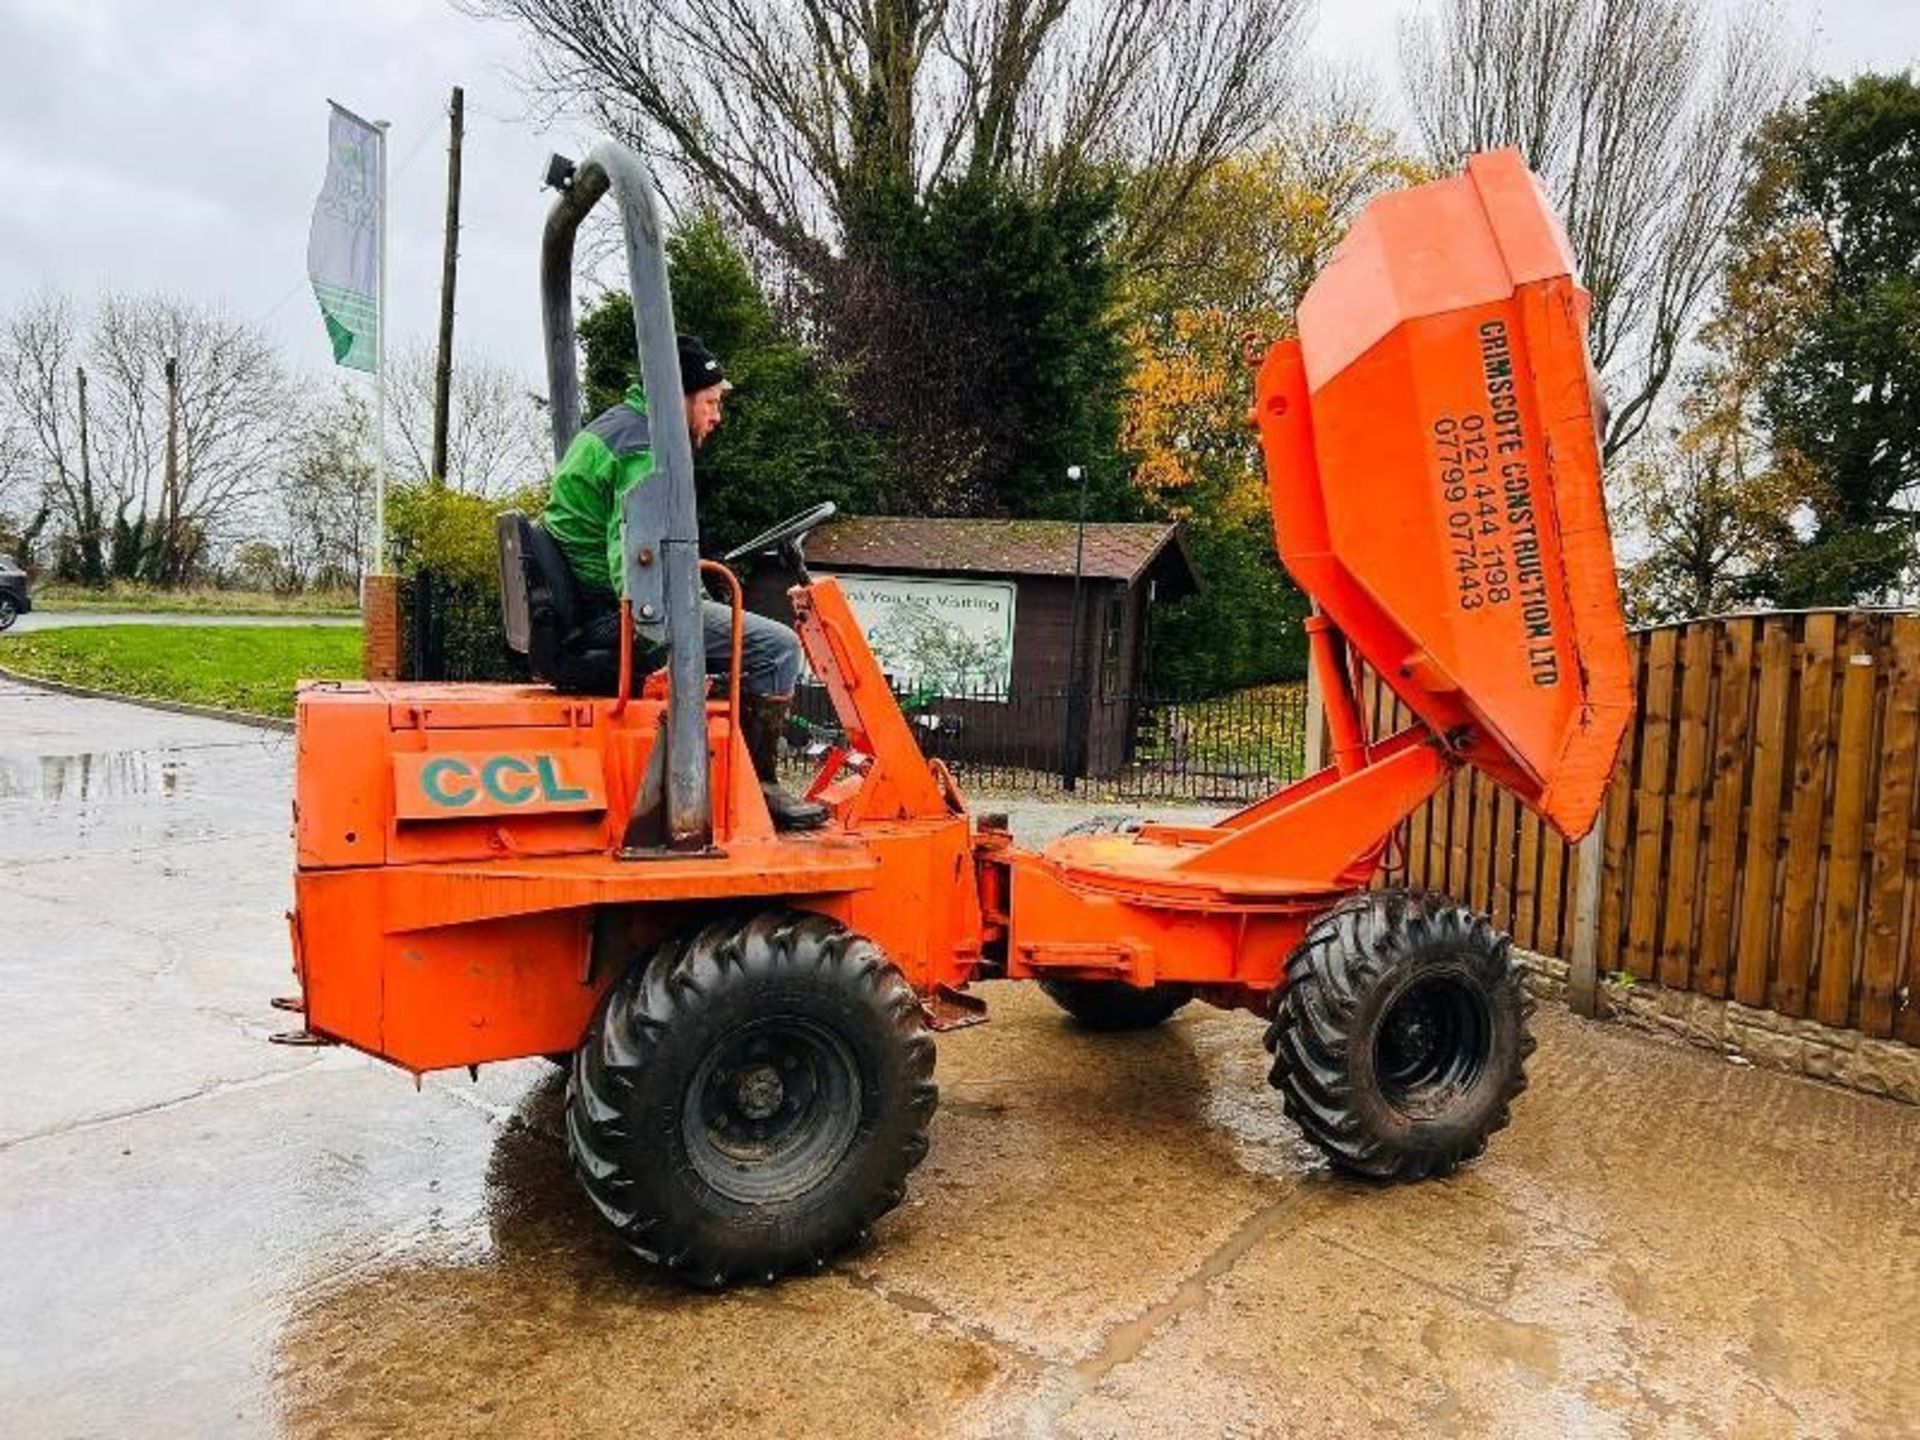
[
  {"x": 128, "y": 598},
  {"x": 234, "y": 668}
]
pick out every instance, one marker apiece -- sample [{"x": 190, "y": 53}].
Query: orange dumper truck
[{"x": 488, "y": 872}]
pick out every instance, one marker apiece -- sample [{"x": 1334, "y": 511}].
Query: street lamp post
[{"x": 1076, "y": 693}]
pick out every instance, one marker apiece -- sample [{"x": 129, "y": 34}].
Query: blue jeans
[{"x": 769, "y": 651}]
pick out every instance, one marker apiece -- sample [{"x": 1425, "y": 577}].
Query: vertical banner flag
[{"x": 343, "y": 247}]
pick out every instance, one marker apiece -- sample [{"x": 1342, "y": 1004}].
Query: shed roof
[{"x": 1113, "y": 550}]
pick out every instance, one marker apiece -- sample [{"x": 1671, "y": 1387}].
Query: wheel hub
[
  {"x": 772, "y": 1109},
  {"x": 1412, "y": 1033},
  {"x": 1433, "y": 1043},
  {"x": 758, "y": 1093}
]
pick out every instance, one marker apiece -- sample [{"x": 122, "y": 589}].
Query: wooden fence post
[{"x": 1583, "y": 978}]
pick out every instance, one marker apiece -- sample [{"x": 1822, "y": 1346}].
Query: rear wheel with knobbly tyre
[
  {"x": 9, "y": 611},
  {"x": 1114, "y": 1004},
  {"x": 1400, "y": 1037},
  {"x": 751, "y": 1097}
]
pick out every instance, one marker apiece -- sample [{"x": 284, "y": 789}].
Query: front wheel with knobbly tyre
[
  {"x": 1400, "y": 1037},
  {"x": 751, "y": 1097}
]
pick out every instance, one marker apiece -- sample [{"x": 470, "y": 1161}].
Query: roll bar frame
[{"x": 660, "y": 535}]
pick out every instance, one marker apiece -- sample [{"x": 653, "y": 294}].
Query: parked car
[{"x": 15, "y": 600}]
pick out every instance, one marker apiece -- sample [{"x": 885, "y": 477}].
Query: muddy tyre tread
[
  {"x": 626, "y": 1082},
  {"x": 1319, "y": 1015},
  {"x": 1106, "y": 825}
]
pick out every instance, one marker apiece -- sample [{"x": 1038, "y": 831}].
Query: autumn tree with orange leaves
[{"x": 1256, "y": 232}]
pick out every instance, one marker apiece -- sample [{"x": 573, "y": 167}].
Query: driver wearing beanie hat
[{"x": 608, "y": 459}]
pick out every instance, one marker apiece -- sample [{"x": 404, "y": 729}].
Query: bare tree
[
  {"x": 873, "y": 146},
  {"x": 40, "y": 373},
  {"x": 1637, "y": 113},
  {"x": 804, "y": 117},
  {"x": 128, "y": 430},
  {"x": 122, "y": 499},
  {"x": 1261, "y": 226},
  {"x": 23, "y": 506},
  {"x": 496, "y": 436},
  {"x": 19, "y": 474},
  {"x": 324, "y": 500},
  {"x": 231, "y": 415}
]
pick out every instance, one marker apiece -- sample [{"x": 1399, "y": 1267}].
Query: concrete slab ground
[{"x": 201, "y": 1234}]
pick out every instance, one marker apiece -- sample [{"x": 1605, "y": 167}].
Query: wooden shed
[{"x": 980, "y": 613}]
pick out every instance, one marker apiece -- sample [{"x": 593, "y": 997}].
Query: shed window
[{"x": 1113, "y": 625}]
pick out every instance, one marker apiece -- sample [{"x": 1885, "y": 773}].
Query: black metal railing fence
[
  {"x": 451, "y": 630},
  {"x": 1137, "y": 746}
]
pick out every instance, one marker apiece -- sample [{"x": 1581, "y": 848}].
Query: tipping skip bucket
[{"x": 1434, "y": 472}]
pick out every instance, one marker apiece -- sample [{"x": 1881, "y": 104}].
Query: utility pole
[
  {"x": 449, "y": 264},
  {"x": 92, "y": 566},
  {"x": 171, "y": 486}
]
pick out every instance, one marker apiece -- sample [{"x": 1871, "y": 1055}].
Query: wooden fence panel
[
  {"x": 1891, "y": 875},
  {"x": 1432, "y": 875},
  {"x": 1526, "y": 882},
  {"x": 1806, "y": 823},
  {"x": 1610, "y": 946},
  {"x": 1549, "y": 907},
  {"x": 1733, "y": 727},
  {"x": 1853, "y": 760},
  {"x": 1680, "y": 880},
  {"x": 1760, "y": 840},
  {"x": 1767, "y": 763},
  {"x": 1459, "y": 840},
  {"x": 1480, "y": 845},
  {"x": 1653, "y": 781},
  {"x": 1420, "y": 826},
  {"x": 1480, "y": 855}
]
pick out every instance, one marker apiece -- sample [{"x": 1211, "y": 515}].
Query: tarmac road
[{"x": 202, "y": 1234}]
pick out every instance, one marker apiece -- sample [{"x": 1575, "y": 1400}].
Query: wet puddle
[
  {"x": 93, "y": 775},
  {"x": 526, "y": 1315}
]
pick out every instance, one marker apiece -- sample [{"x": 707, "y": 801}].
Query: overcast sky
[{"x": 178, "y": 146}]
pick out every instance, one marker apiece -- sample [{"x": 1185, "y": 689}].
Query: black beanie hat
[{"x": 698, "y": 369}]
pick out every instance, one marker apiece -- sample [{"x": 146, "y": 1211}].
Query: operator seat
[{"x": 540, "y": 611}]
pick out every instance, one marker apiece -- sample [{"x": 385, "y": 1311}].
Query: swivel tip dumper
[{"x": 487, "y": 872}]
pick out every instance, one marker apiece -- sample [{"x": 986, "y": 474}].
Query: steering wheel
[{"x": 785, "y": 537}]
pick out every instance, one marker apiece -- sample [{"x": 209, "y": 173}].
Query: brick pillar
[{"x": 380, "y": 627}]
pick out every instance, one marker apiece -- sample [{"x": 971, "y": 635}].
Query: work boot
[{"x": 762, "y": 719}]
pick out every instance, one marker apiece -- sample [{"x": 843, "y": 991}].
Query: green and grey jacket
[{"x": 605, "y": 462}]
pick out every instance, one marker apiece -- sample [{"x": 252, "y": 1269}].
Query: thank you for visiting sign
[{"x": 954, "y": 636}]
